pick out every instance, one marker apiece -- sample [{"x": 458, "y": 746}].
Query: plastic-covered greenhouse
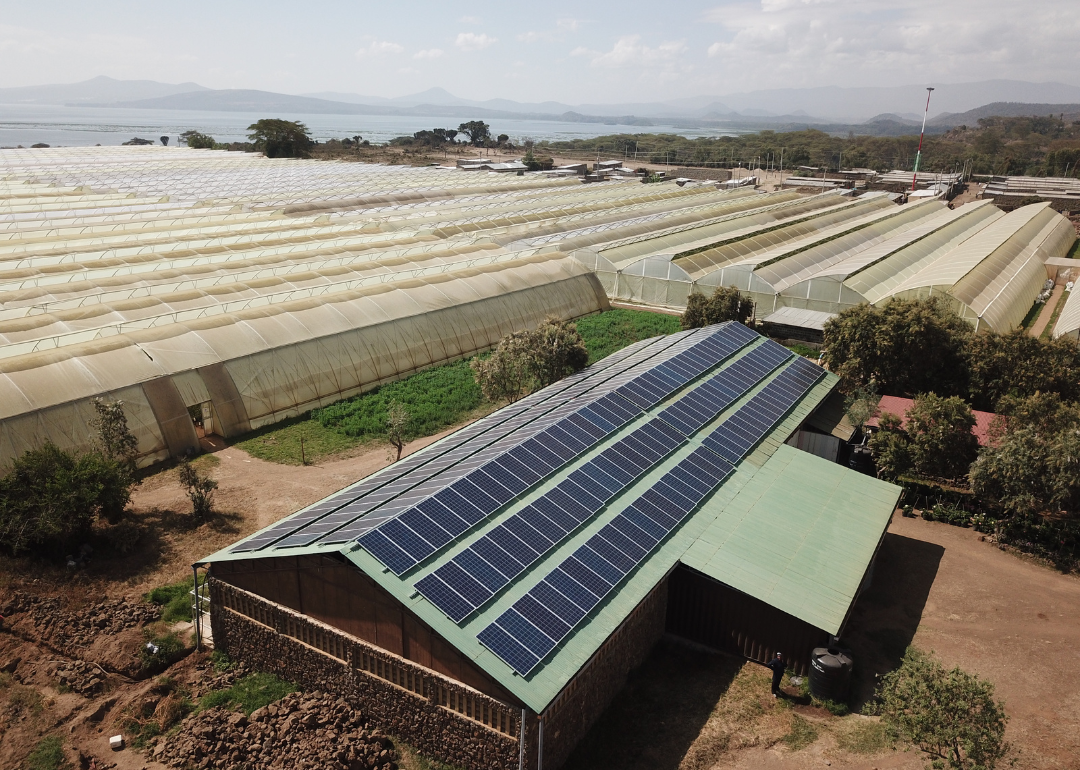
[{"x": 259, "y": 288}]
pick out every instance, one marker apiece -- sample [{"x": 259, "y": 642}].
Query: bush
[
  {"x": 949, "y": 714},
  {"x": 531, "y": 360},
  {"x": 165, "y": 651},
  {"x": 725, "y": 304},
  {"x": 200, "y": 490},
  {"x": 51, "y": 498}
]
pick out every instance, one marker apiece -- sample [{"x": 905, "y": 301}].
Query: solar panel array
[
  {"x": 430, "y": 517},
  {"x": 352, "y": 503},
  {"x": 474, "y": 576},
  {"x": 538, "y": 622}
]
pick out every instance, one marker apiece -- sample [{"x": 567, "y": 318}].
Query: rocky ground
[{"x": 301, "y": 730}]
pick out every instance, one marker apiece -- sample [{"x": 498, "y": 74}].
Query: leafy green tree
[
  {"x": 478, "y": 131},
  {"x": 278, "y": 138},
  {"x": 725, "y": 304},
  {"x": 891, "y": 448},
  {"x": 905, "y": 347},
  {"x": 951, "y": 715},
  {"x": 1033, "y": 465},
  {"x": 1017, "y": 364},
  {"x": 942, "y": 444},
  {"x": 200, "y": 490},
  {"x": 861, "y": 405},
  {"x": 197, "y": 140},
  {"x": 504, "y": 374},
  {"x": 50, "y": 498}
]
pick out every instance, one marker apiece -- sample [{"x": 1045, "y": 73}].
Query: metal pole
[
  {"x": 196, "y": 609},
  {"x": 918, "y": 154}
]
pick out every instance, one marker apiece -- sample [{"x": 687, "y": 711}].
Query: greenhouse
[{"x": 255, "y": 289}]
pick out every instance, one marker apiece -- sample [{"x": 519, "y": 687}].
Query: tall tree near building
[{"x": 478, "y": 131}]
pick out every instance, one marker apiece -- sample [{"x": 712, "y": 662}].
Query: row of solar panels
[
  {"x": 474, "y": 576},
  {"x": 352, "y": 505},
  {"x": 540, "y": 620},
  {"x": 430, "y": 524}
]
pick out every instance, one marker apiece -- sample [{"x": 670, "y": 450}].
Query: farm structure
[
  {"x": 827, "y": 253},
  {"x": 254, "y": 290},
  {"x": 485, "y": 597}
]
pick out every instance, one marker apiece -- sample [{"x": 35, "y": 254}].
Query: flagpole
[{"x": 918, "y": 155}]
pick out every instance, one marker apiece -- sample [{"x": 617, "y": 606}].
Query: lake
[{"x": 28, "y": 124}]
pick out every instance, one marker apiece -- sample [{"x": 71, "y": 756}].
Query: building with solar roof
[{"x": 485, "y": 597}]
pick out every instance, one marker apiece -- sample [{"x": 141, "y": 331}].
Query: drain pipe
[
  {"x": 540, "y": 745},
  {"x": 521, "y": 742},
  {"x": 196, "y": 614}
]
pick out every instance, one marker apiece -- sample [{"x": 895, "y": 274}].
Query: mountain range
[{"x": 896, "y": 106}]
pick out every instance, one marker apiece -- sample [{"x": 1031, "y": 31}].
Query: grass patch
[
  {"x": 174, "y": 600},
  {"x": 864, "y": 736},
  {"x": 252, "y": 692},
  {"x": 1074, "y": 253},
  {"x": 280, "y": 443},
  {"x": 21, "y": 698},
  {"x": 48, "y": 755},
  {"x": 412, "y": 759},
  {"x": 1032, "y": 316},
  {"x": 164, "y": 651},
  {"x": 435, "y": 398},
  {"x": 802, "y": 734},
  {"x": 605, "y": 333},
  {"x": 1054, "y": 317},
  {"x": 803, "y": 350}
]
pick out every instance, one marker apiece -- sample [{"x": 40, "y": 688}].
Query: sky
[{"x": 572, "y": 52}]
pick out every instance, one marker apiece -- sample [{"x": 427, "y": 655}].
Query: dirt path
[
  {"x": 253, "y": 494},
  {"x": 1046, "y": 313}
]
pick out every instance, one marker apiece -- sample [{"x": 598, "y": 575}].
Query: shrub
[
  {"x": 725, "y": 304},
  {"x": 949, "y": 714},
  {"x": 200, "y": 490},
  {"x": 531, "y": 360},
  {"x": 166, "y": 648},
  {"x": 51, "y": 498}
]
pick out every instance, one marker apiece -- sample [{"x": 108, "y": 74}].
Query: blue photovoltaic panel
[{"x": 580, "y": 582}]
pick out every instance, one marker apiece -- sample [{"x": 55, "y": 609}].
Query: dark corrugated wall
[{"x": 713, "y": 614}]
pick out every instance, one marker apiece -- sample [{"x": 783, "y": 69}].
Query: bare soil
[{"x": 1009, "y": 619}]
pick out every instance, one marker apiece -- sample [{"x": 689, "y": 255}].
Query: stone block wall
[
  {"x": 437, "y": 715},
  {"x": 568, "y": 718}
]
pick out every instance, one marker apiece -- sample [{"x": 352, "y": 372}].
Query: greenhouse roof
[{"x": 527, "y": 538}]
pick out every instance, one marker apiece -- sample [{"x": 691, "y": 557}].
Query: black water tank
[{"x": 830, "y": 673}]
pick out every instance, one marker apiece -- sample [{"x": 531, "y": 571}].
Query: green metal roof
[{"x": 818, "y": 514}]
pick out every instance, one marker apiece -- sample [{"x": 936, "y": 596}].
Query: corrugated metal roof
[
  {"x": 795, "y": 316},
  {"x": 814, "y": 494}
]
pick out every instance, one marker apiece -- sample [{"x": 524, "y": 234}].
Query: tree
[
  {"x": 530, "y": 360},
  {"x": 119, "y": 446},
  {"x": 950, "y": 715},
  {"x": 50, "y": 498},
  {"x": 1032, "y": 466},
  {"x": 942, "y": 444},
  {"x": 197, "y": 141},
  {"x": 478, "y": 131},
  {"x": 1017, "y": 364},
  {"x": 504, "y": 374},
  {"x": 725, "y": 304},
  {"x": 861, "y": 406},
  {"x": 906, "y": 347},
  {"x": 397, "y": 420},
  {"x": 278, "y": 138},
  {"x": 200, "y": 490},
  {"x": 891, "y": 448}
]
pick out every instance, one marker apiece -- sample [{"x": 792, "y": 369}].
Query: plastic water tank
[{"x": 830, "y": 673}]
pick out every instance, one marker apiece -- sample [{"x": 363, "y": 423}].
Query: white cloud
[
  {"x": 629, "y": 51},
  {"x": 470, "y": 41},
  {"x": 568, "y": 25},
  {"x": 532, "y": 37},
  {"x": 379, "y": 48},
  {"x": 470, "y": 20},
  {"x": 428, "y": 53},
  {"x": 883, "y": 42}
]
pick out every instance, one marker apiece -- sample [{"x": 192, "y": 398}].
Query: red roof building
[{"x": 900, "y": 406}]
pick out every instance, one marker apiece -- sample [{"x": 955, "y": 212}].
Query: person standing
[{"x": 777, "y": 665}]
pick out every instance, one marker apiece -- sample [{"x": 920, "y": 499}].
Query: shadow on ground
[
  {"x": 659, "y": 713},
  {"x": 885, "y": 617}
]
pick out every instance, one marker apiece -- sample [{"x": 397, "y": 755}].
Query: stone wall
[
  {"x": 440, "y": 717},
  {"x": 568, "y": 718}
]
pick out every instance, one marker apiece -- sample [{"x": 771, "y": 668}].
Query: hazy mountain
[
  {"x": 337, "y": 96},
  {"x": 99, "y": 89},
  {"x": 1004, "y": 110},
  {"x": 892, "y": 117}
]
